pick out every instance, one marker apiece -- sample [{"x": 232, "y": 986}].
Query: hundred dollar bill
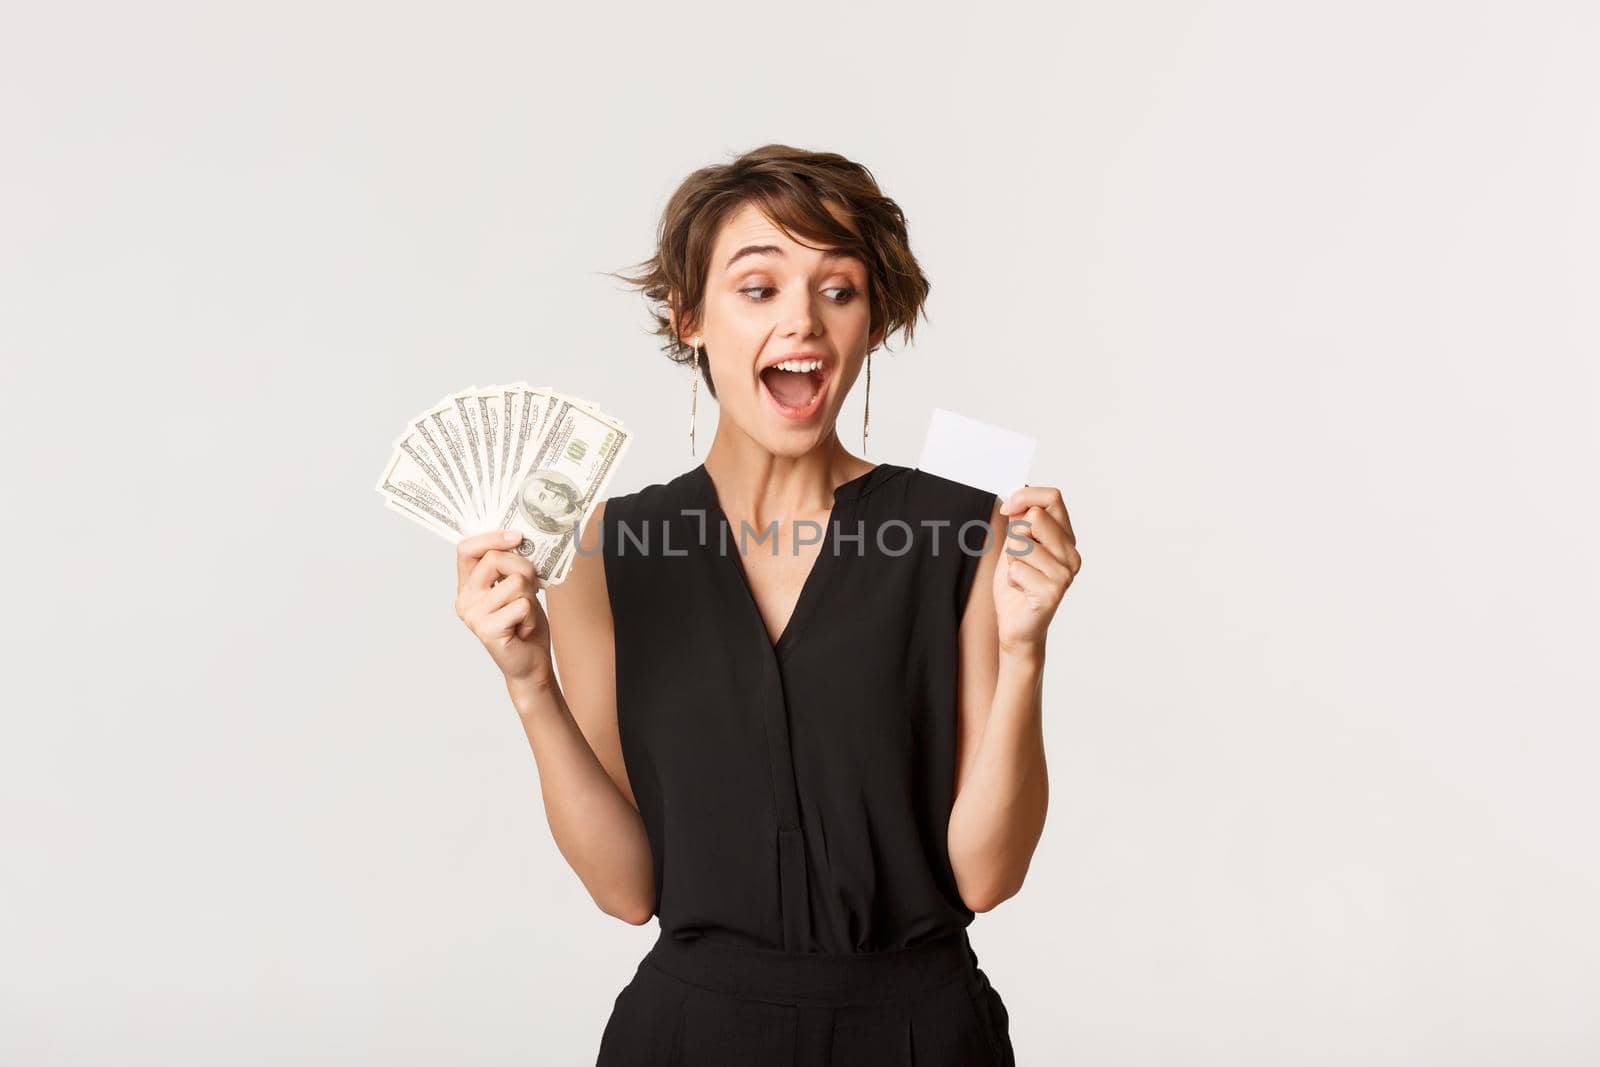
[
  {"x": 421, "y": 518},
  {"x": 577, "y": 453},
  {"x": 415, "y": 491},
  {"x": 529, "y": 412},
  {"x": 440, "y": 430},
  {"x": 533, "y": 407},
  {"x": 506, "y": 456},
  {"x": 508, "y": 402},
  {"x": 487, "y": 415},
  {"x": 536, "y": 405},
  {"x": 421, "y": 451},
  {"x": 469, "y": 420}
]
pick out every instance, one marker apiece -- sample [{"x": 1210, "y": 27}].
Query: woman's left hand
[{"x": 1038, "y": 562}]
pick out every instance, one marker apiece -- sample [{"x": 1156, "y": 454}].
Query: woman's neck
[{"x": 756, "y": 483}]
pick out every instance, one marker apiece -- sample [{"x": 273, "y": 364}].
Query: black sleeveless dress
[{"x": 797, "y": 795}]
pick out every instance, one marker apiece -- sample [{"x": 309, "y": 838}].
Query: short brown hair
[{"x": 792, "y": 187}]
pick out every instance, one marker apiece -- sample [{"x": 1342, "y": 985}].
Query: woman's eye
[{"x": 754, "y": 293}]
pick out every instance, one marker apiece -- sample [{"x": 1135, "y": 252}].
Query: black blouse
[{"x": 796, "y": 796}]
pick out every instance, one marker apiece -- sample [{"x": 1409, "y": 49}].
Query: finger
[
  {"x": 1045, "y": 496},
  {"x": 1066, "y": 523},
  {"x": 475, "y": 607},
  {"x": 496, "y": 563},
  {"x": 1027, "y": 496},
  {"x": 1041, "y": 559},
  {"x": 1058, "y": 540},
  {"x": 1026, "y": 577},
  {"x": 1057, "y": 510},
  {"x": 470, "y": 549},
  {"x": 531, "y": 624},
  {"x": 502, "y": 622},
  {"x": 1042, "y": 527},
  {"x": 502, "y": 593}
]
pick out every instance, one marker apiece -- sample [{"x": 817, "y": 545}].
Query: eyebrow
[{"x": 774, "y": 250}]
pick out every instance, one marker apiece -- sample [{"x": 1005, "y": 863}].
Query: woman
[{"x": 815, "y": 759}]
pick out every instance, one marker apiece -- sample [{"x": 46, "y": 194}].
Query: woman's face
[{"x": 770, "y": 300}]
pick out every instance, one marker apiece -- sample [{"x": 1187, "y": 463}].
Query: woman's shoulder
[
  {"x": 655, "y": 500},
  {"x": 925, "y": 495}
]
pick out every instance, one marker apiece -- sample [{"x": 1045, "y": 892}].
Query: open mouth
[{"x": 795, "y": 387}]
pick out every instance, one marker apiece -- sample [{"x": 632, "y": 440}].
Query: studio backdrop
[{"x": 1297, "y": 300}]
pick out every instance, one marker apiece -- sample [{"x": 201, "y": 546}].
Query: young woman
[{"x": 798, "y": 712}]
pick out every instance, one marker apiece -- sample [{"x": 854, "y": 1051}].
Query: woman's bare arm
[
  {"x": 571, "y": 725},
  {"x": 1002, "y": 784}
]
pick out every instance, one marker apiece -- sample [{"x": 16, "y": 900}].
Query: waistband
[{"x": 817, "y": 978}]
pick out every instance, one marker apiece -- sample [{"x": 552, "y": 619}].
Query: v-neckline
[{"x": 843, "y": 494}]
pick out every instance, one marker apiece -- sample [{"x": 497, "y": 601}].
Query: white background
[{"x": 1298, "y": 298}]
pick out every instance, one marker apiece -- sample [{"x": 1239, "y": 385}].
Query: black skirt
[{"x": 703, "y": 1003}]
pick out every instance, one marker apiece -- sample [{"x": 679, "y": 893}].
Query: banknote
[
  {"x": 566, "y": 475},
  {"x": 513, "y": 456}
]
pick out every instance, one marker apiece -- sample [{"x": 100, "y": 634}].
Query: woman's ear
[
  {"x": 684, "y": 332},
  {"x": 875, "y": 339}
]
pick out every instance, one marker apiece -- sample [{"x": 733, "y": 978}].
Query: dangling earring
[
  {"x": 866, "y": 407},
  {"x": 694, "y": 393}
]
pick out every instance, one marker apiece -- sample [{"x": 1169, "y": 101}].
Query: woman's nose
[{"x": 800, "y": 314}]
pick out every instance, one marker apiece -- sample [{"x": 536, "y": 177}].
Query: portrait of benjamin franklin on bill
[{"x": 550, "y": 501}]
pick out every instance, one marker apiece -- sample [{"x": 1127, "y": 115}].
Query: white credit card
[{"x": 976, "y": 453}]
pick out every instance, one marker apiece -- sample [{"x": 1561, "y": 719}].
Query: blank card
[{"x": 976, "y": 453}]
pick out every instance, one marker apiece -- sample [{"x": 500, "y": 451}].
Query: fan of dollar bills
[{"x": 506, "y": 457}]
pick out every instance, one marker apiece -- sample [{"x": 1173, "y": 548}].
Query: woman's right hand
[{"x": 497, "y": 597}]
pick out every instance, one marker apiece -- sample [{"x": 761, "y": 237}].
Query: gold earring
[
  {"x": 866, "y": 406},
  {"x": 694, "y": 392}
]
